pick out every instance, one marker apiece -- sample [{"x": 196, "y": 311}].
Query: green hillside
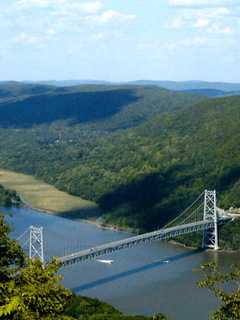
[
  {"x": 105, "y": 107},
  {"x": 170, "y": 85},
  {"x": 84, "y": 308},
  {"x": 12, "y": 90},
  {"x": 143, "y": 154},
  {"x": 8, "y": 198}
]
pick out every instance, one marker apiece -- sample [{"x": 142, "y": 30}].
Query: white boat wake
[{"x": 105, "y": 261}]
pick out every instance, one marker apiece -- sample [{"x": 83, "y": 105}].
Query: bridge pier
[
  {"x": 36, "y": 243},
  {"x": 210, "y": 236}
]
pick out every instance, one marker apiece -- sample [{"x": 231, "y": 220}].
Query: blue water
[{"x": 147, "y": 279}]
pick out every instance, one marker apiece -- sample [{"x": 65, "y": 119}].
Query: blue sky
[{"x": 120, "y": 40}]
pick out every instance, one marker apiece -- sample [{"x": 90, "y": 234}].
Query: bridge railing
[{"x": 163, "y": 234}]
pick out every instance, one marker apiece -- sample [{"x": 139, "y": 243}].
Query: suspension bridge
[{"x": 202, "y": 215}]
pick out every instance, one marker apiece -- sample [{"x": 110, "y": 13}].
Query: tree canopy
[
  {"x": 142, "y": 153},
  {"x": 225, "y": 286},
  {"x": 31, "y": 291},
  {"x": 28, "y": 290}
]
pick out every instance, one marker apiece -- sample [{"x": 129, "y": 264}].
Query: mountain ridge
[
  {"x": 166, "y": 84},
  {"x": 143, "y": 164}
]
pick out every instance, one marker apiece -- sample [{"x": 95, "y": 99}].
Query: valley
[
  {"x": 141, "y": 153},
  {"x": 119, "y": 160}
]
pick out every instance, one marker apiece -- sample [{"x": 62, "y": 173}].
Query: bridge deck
[{"x": 162, "y": 234}]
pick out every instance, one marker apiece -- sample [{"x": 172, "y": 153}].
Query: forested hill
[
  {"x": 168, "y": 148},
  {"x": 107, "y": 106},
  {"x": 12, "y": 90},
  {"x": 170, "y": 85}
]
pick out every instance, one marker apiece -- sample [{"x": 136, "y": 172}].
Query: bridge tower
[
  {"x": 36, "y": 243},
  {"x": 210, "y": 237}
]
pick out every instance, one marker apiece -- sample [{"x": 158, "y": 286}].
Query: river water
[{"x": 147, "y": 279}]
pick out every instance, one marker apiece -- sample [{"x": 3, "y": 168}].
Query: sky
[{"x": 120, "y": 40}]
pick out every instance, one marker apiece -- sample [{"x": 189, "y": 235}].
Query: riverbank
[
  {"x": 99, "y": 223},
  {"x": 44, "y": 197}
]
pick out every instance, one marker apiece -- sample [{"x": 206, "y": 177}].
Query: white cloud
[
  {"x": 181, "y": 3},
  {"x": 218, "y": 29},
  {"x": 177, "y": 23},
  {"x": 84, "y": 7},
  {"x": 51, "y": 32},
  {"x": 39, "y": 21},
  {"x": 213, "y": 20},
  {"x": 202, "y": 3},
  {"x": 31, "y": 3},
  {"x": 111, "y": 15},
  {"x": 91, "y": 7},
  {"x": 201, "y": 23},
  {"x": 69, "y": 13}
]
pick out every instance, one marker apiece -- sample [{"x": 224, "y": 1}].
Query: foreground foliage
[
  {"x": 29, "y": 291},
  {"x": 226, "y": 288},
  {"x": 83, "y": 308}
]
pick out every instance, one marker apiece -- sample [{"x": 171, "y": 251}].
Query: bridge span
[
  {"x": 205, "y": 217},
  {"x": 162, "y": 234}
]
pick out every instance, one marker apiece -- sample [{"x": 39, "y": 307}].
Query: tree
[
  {"x": 28, "y": 290},
  {"x": 31, "y": 291},
  {"x": 12, "y": 256},
  {"x": 226, "y": 287}
]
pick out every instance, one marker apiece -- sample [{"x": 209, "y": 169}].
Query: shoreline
[
  {"x": 92, "y": 221},
  {"x": 114, "y": 228},
  {"x": 105, "y": 226},
  {"x": 43, "y": 196}
]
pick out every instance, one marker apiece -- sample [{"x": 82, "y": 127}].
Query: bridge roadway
[{"x": 162, "y": 234}]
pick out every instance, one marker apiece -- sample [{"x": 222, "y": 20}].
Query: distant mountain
[
  {"x": 191, "y": 85},
  {"x": 12, "y": 89},
  {"x": 207, "y": 92},
  {"x": 211, "y": 89},
  {"x": 212, "y": 93},
  {"x": 114, "y": 106},
  {"x": 70, "y": 83}
]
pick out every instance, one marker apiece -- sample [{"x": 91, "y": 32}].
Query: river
[{"x": 147, "y": 279}]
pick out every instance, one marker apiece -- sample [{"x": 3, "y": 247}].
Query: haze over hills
[
  {"x": 170, "y": 85},
  {"x": 211, "y": 92},
  {"x": 191, "y": 85},
  {"x": 142, "y": 152},
  {"x": 71, "y": 83}
]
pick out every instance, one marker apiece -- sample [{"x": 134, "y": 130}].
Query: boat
[{"x": 105, "y": 261}]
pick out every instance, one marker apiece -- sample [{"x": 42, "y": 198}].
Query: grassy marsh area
[{"x": 43, "y": 196}]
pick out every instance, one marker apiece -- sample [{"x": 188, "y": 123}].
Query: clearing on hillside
[{"x": 42, "y": 196}]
